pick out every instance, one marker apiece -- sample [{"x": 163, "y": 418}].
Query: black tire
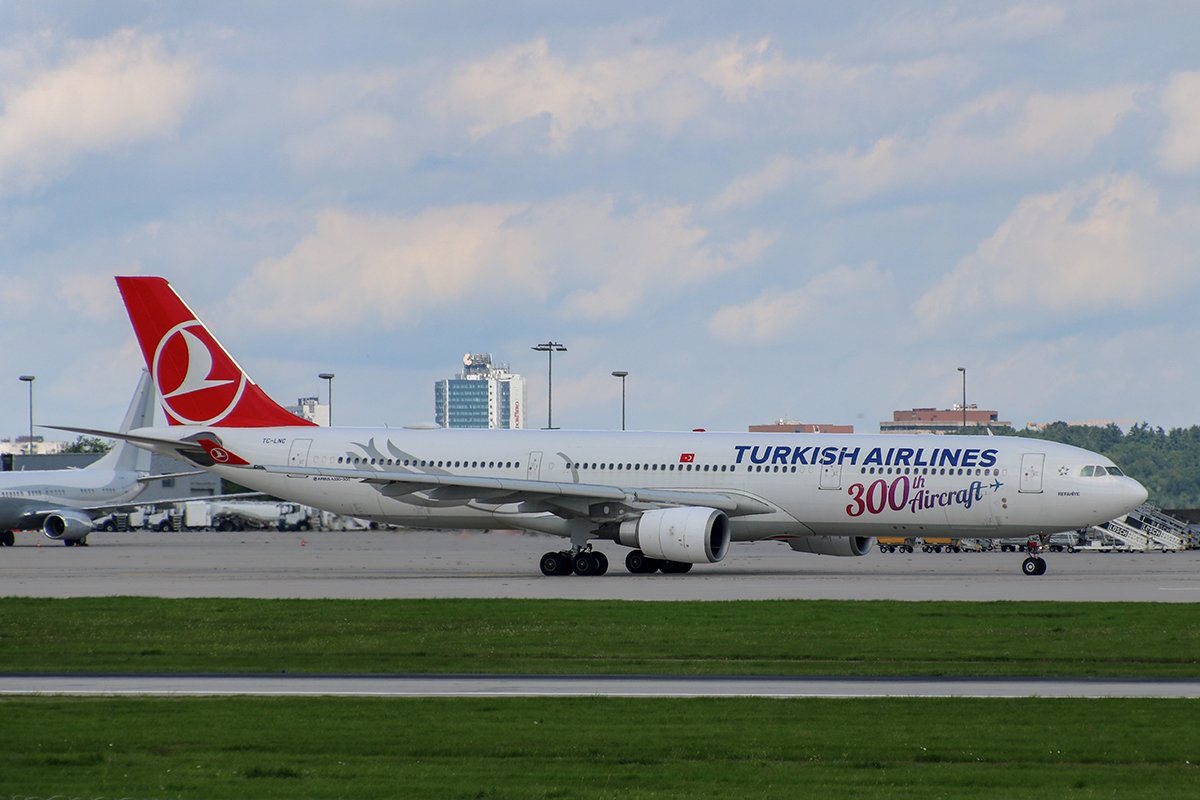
[
  {"x": 1041, "y": 566},
  {"x": 601, "y": 562},
  {"x": 584, "y": 564},
  {"x": 1030, "y": 566},
  {"x": 637, "y": 562},
  {"x": 551, "y": 564},
  {"x": 7, "y": 539}
]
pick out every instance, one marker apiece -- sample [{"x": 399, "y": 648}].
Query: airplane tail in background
[
  {"x": 199, "y": 381},
  {"x": 125, "y": 457}
]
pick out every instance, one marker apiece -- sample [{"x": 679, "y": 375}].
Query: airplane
[
  {"x": 63, "y": 502},
  {"x": 675, "y": 499}
]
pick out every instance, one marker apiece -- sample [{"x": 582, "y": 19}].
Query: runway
[
  {"x": 427, "y": 564},
  {"x": 582, "y": 686}
]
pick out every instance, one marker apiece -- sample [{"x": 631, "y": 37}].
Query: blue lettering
[
  {"x": 989, "y": 457},
  {"x": 903, "y": 456},
  {"x": 781, "y": 454},
  {"x": 760, "y": 459},
  {"x": 799, "y": 455},
  {"x": 741, "y": 452},
  {"x": 873, "y": 457},
  {"x": 848, "y": 456}
]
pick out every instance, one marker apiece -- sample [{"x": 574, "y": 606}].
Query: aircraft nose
[{"x": 1137, "y": 493}]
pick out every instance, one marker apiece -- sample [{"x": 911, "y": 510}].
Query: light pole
[
  {"x": 328, "y": 378},
  {"x": 963, "y": 370},
  {"x": 622, "y": 374},
  {"x": 29, "y": 379},
  {"x": 549, "y": 348}
]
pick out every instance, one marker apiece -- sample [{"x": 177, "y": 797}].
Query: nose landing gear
[{"x": 1034, "y": 564}]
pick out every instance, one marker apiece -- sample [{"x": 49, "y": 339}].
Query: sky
[{"x": 760, "y": 210}]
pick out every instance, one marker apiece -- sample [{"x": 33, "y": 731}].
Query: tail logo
[{"x": 200, "y": 384}]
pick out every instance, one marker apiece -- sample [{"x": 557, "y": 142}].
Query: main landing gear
[
  {"x": 593, "y": 562},
  {"x": 1034, "y": 564},
  {"x": 580, "y": 562}
]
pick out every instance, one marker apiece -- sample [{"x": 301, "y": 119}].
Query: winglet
[{"x": 198, "y": 380}]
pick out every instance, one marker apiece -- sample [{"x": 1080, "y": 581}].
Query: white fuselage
[
  {"x": 823, "y": 484},
  {"x": 22, "y": 493}
]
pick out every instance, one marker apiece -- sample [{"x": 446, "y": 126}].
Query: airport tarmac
[{"x": 421, "y": 564}]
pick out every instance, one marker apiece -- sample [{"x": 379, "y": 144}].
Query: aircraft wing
[
  {"x": 167, "y": 475},
  {"x": 461, "y": 489}
]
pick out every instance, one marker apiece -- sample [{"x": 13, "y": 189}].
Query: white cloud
[
  {"x": 748, "y": 189},
  {"x": 996, "y": 135},
  {"x": 1180, "y": 147},
  {"x": 948, "y": 26},
  {"x": 664, "y": 87},
  {"x": 1083, "y": 251},
  {"x": 389, "y": 270},
  {"x": 109, "y": 92},
  {"x": 776, "y": 314}
]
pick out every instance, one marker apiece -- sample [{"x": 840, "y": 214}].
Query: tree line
[{"x": 1167, "y": 462}]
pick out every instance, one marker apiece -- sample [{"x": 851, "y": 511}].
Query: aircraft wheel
[
  {"x": 601, "y": 561},
  {"x": 1041, "y": 566},
  {"x": 639, "y": 563},
  {"x": 554, "y": 564},
  {"x": 1030, "y": 566},
  {"x": 7, "y": 539},
  {"x": 585, "y": 564}
]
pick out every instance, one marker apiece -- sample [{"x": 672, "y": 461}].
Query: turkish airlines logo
[
  {"x": 218, "y": 454},
  {"x": 687, "y": 458},
  {"x": 199, "y": 383}
]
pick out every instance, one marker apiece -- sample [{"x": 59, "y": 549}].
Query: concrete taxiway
[
  {"x": 419, "y": 564},
  {"x": 582, "y": 686}
]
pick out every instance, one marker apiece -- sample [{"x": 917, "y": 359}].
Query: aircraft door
[
  {"x": 1031, "y": 472},
  {"x": 534, "y": 470},
  {"x": 831, "y": 476},
  {"x": 298, "y": 457}
]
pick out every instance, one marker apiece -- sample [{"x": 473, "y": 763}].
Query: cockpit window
[{"x": 1099, "y": 471}]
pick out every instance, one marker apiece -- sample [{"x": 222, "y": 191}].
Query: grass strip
[
  {"x": 843, "y": 638},
  {"x": 598, "y": 748}
]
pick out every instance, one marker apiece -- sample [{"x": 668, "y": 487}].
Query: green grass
[
  {"x": 600, "y": 637},
  {"x": 593, "y": 748}
]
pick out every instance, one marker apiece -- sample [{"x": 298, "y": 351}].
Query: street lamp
[
  {"x": 328, "y": 378},
  {"x": 549, "y": 348},
  {"x": 29, "y": 379},
  {"x": 963, "y": 370},
  {"x": 622, "y": 374}
]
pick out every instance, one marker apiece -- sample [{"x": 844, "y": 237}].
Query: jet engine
[
  {"x": 693, "y": 535},
  {"x": 833, "y": 545},
  {"x": 67, "y": 526}
]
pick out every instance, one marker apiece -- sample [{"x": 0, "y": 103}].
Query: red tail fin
[{"x": 199, "y": 382}]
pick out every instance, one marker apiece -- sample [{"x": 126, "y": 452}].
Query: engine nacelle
[
  {"x": 693, "y": 535},
  {"x": 67, "y": 526},
  {"x": 833, "y": 545}
]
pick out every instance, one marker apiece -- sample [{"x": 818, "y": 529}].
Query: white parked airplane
[
  {"x": 63, "y": 502},
  {"x": 675, "y": 499}
]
